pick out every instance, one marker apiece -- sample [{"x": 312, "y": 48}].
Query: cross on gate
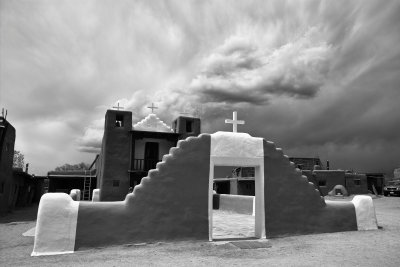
[
  {"x": 152, "y": 107},
  {"x": 118, "y": 107},
  {"x": 234, "y": 122}
]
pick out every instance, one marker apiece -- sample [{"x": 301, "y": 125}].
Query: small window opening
[
  {"x": 322, "y": 182},
  {"x": 115, "y": 183},
  {"x": 189, "y": 126},
  {"x": 2, "y": 188},
  {"x": 119, "y": 121},
  {"x": 357, "y": 181}
]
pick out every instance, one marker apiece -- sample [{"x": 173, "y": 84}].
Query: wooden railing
[{"x": 144, "y": 164}]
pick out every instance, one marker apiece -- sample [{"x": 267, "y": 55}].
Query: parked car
[{"x": 392, "y": 188}]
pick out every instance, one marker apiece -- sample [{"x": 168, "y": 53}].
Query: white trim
[
  {"x": 56, "y": 225},
  {"x": 238, "y": 149},
  {"x": 365, "y": 213},
  {"x": 210, "y": 200}
]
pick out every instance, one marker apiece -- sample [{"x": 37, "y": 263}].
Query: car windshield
[{"x": 394, "y": 183}]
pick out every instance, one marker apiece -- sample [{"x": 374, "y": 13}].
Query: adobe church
[{"x": 129, "y": 151}]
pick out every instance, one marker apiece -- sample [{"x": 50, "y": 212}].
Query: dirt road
[{"x": 361, "y": 248}]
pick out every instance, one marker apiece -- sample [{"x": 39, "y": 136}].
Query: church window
[
  {"x": 119, "y": 121},
  {"x": 115, "y": 183},
  {"x": 189, "y": 126},
  {"x": 322, "y": 182}
]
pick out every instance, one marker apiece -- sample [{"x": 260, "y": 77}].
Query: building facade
[
  {"x": 18, "y": 188},
  {"x": 129, "y": 151}
]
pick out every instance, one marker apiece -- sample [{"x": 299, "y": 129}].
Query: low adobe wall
[
  {"x": 234, "y": 203},
  {"x": 172, "y": 203}
]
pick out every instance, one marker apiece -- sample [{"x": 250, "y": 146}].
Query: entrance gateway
[{"x": 230, "y": 150}]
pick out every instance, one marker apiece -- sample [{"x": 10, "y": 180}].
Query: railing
[{"x": 144, "y": 164}]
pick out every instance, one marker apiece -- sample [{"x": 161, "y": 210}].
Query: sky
[{"x": 318, "y": 78}]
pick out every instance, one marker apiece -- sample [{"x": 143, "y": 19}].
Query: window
[
  {"x": 189, "y": 126},
  {"x": 2, "y": 188},
  {"x": 115, "y": 183},
  {"x": 357, "y": 181},
  {"x": 119, "y": 120},
  {"x": 322, "y": 182}
]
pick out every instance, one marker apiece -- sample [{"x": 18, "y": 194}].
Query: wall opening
[
  {"x": 119, "y": 120},
  {"x": 233, "y": 216},
  {"x": 189, "y": 126}
]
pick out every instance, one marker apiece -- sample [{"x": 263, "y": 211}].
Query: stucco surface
[
  {"x": 115, "y": 156},
  {"x": 75, "y": 194},
  {"x": 56, "y": 225},
  {"x": 96, "y": 195},
  {"x": 234, "y": 203},
  {"x": 171, "y": 203},
  {"x": 293, "y": 205},
  {"x": 340, "y": 187},
  {"x": 365, "y": 213}
]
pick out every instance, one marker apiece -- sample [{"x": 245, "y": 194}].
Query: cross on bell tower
[
  {"x": 152, "y": 107},
  {"x": 118, "y": 107},
  {"x": 234, "y": 122}
]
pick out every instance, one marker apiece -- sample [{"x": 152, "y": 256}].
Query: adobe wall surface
[
  {"x": 56, "y": 225},
  {"x": 7, "y": 140},
  {"x": 170, "y": 204},
  {"x": 234, "y": 203},
  {"x": 331, "y": 177},
  {"x": 115, "y": 157},
  {"x": 352, "y": 187},
  {"x": 293, "y": 205}
]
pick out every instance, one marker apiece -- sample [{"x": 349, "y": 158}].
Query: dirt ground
[{"x": 360, "y": 248}]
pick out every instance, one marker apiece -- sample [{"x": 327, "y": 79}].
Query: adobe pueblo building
[
  {"x": 161, "y": 208},
  {"x": 129, "y": 151}
]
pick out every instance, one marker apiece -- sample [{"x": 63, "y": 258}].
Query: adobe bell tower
[
  {"x": 113, "y": 178},
  {"x": 186, "y": 126}
]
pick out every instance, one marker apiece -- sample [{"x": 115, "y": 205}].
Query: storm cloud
[{"x": 316, "y": 77}]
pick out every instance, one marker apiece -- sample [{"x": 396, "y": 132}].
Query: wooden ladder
[{"x": 87, "y": 183}]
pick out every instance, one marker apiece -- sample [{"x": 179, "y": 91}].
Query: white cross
[
  {"x": 118, "y": 107},
  {"x": 234, "y": 122},
  {"x": 152, "y": 107}
]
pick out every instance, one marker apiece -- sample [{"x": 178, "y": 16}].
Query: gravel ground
[{"x": 359, "y": 248}]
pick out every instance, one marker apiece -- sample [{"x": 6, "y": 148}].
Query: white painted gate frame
[{"x": 239, "y": 149}]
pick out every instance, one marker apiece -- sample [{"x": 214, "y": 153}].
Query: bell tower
[
  {"x": 114, "y": 178},
  {"x": 186, "y": 126}
]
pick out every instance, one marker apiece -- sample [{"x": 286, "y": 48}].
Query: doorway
[
  {"x": 150, "y": 155},
  {"x": 234, "y": 223}
]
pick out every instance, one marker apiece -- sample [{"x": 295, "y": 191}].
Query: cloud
[
  {"x": 240, "y": 71},
  {"x": 313, "y": 76},
  {"x": 91, "y": 140}
]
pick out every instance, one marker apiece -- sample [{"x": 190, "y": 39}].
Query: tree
[
  {"x": 74, "y": 167},
  {"x": 18, "y": 161}
]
